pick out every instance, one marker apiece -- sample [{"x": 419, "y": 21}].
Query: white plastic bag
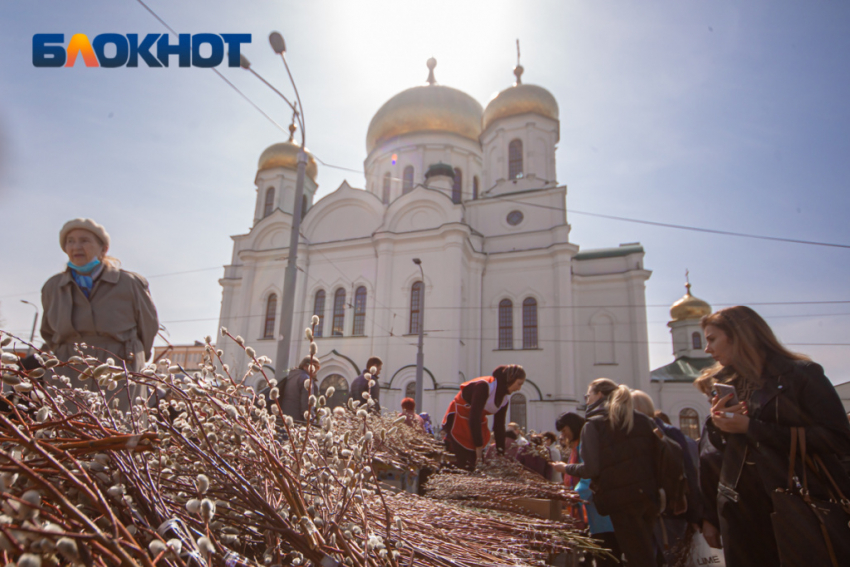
[{"x": 703, "y": 555}]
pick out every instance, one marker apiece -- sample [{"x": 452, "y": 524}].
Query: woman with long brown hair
[
  {"x": 777, "y": 390},
  {"x": 465, "y": 422},
  {"x": 619, "y": 450}
]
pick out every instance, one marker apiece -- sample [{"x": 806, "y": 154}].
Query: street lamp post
[
  {"x": 281, "y": 361},
  {"x": 34, "y": 322},
  {"x": 420, "y": 356}
]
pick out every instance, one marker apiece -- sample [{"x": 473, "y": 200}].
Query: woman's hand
[
  {"x": 558, "y": 467},
  {"x": 731, "y": 419},
  {"x": 711, "y": 535}
]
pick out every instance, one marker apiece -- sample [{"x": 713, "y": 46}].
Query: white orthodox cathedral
[{"x": 471, "y": 192}]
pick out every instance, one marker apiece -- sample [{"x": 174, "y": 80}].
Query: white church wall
[
  {"x": 674, "y": 397},
  {"x": 422, "y": 150},
  {"x": 605, "y": 319},
  {"x": 516, "y": 277},
  {"x": 344, "y": 214}
]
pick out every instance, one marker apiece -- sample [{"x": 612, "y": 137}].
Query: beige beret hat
[{"x": 85, "y": 224}]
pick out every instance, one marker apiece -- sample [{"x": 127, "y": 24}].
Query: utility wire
[{"x": 305, "y": 312}]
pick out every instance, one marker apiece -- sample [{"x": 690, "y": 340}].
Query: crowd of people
[{"x": 646, "y": 486}]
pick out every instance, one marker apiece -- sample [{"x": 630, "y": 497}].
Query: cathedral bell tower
[
  {"x": 685, "y": 315},
  {"x": 275, "y": 180},
  {"x": 520, "y": 133}
]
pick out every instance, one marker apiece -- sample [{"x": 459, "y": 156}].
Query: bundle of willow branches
[
  {"x": 454, "y": 485},
  {"x": 403, "y": 447},
  {"x": 198, "y": 470}
]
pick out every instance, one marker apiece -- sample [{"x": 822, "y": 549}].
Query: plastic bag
[{"x": 703, "y": 555}]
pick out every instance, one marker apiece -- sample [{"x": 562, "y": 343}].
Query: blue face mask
[{"x": 85, "y": 269}]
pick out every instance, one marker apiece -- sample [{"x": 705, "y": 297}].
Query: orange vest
[{"x": 461, "y": 409}]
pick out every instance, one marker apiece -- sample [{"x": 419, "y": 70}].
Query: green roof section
[
  {"x": 684, "y": 369},
  {"x": 621, "y": 250}
]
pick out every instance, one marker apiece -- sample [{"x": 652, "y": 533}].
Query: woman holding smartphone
[{"x": 772, "y": 390}]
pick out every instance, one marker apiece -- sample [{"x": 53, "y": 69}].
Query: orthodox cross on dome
[
  {"x": 431, "y": 64},
  {"x": 518, "y": 69},
  {"x": 293, "y": 127},
  {"x": 687, "y": 281}
]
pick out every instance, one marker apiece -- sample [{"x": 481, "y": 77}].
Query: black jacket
[
  {"x": 360, "y": 385},
  {"x": 621, "y": 465},
  {"x": 710, "y": 461},
  {"x": 794, "y": 394},
  {"x": 294, "y": 397}
]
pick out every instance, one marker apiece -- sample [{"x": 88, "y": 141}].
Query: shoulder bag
[{"x": 810, "y": 531}]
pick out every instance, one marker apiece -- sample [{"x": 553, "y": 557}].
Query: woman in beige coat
[{"x": 96, "y": 303}]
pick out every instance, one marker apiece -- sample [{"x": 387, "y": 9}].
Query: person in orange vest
[{"x": 465, "y": 422}]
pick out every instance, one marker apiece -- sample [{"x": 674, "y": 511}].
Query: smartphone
[{"x": 725, "y": 390}]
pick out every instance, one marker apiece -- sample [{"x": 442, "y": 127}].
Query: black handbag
[{"x": 810, "y": 531}]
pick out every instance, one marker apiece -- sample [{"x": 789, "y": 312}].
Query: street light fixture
[
  {"x": 34, "y": 322},
  {"x": 281, "y": 361},
  {"x": 420, "y": 356}
]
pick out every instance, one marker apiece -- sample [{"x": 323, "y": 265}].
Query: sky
[{"x": 721, "y": 115}]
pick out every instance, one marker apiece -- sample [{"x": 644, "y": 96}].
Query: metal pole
[
  {"x": 34, "y": 323},
  {"x": 281, "y": 361},
  {"x": 420, "y": 356}
]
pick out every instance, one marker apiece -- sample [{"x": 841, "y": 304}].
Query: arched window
[
  {"x": 603, "y": 339},
  {"x": 340, "y": 385},
  {"x": 689, "y": 422},
  {"x": 386, "y": 194},
  {"x": 506, "y": 324},
  {"x": 410, "y": 390},
  {"x": 515, "y": 159},
  {"x": 519, "y": 411},
  {"x": 339, "y": 313},
  {"x": 319, "y": 309},
  {"x": 268, "y": 207},
  {"x": 407, "y": 180},
  {"x": 359, "y": 328},
  {"x": 529, "y": 323},
  {"x": 475, "y": 187},
  {"x": 415, "y": 307},
  {"x": 457, "y": 186},
  {"x": 696, "y": 340},
  {"x": 303, "y": 206},
  {"x": 271, "y": 308}
]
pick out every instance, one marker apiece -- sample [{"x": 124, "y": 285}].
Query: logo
[{"x": 117, "y": 50}]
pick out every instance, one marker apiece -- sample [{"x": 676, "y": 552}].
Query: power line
[
  {"x": 614, "y": 306},
  {"x": 310, "y": 312},
  {"x": 676, "y": 226},
  {"x": 146, "y": 277}
]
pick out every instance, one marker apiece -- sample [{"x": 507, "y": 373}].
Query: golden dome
[
  {"x": 520, "y": 99},
  {"x": 689, "y": 307},
  {"x": 285, "y": 154},
  {"x": 428, "y": 108}
]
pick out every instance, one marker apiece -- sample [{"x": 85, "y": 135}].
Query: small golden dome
[
  {"x": 520, "y": 99},
  {"x": 428, "y": 108},
  {"x": 285, "y": 154},
  {"x": 689, "y": 307}
]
